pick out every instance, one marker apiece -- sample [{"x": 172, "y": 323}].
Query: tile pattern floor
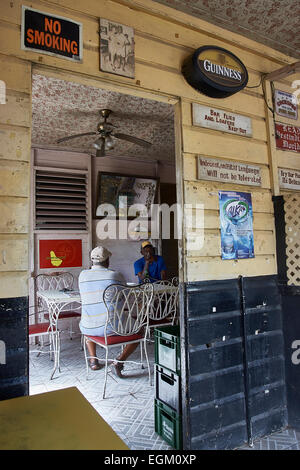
[{"x": 129, "y": 406}]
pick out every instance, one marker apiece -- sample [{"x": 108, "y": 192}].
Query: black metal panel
[
  {"x": 278, "y": 202},
  {"x": 14, "y": 335},
  {"x": 232, "y": 343},
  {"x": 291, "y": 329},
  {"x": 265, "y": 355},
  {"x": 214, "y": 359},
  {"x": 221, "y": 438}
]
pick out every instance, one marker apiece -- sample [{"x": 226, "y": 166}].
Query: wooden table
[{"x": 59, "y": 420}]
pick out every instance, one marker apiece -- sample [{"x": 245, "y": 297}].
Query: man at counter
[
  {"x": 92, "y": 283},
  {"x": 150, "y": 266}
]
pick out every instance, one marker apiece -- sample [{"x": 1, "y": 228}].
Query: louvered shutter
[{"x": 60, "y": 200}]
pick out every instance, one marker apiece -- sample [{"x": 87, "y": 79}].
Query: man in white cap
[{"x": 93, "y": 282}]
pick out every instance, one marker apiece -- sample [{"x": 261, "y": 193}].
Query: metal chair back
[
  {"x": 54, "y": 281},
  {"x": 127, "y": 307},
  {"x": 164, "y": 303}
]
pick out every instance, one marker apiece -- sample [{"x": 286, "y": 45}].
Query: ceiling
[
  {"x": 61, "y": 108},
  {"x": 274, "y": 23}
]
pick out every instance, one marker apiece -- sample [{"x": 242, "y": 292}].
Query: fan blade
[
  {"x": 132, "y": 139},
  {"x": 75, "y": 135},
  {"x": 101, "y": 151}
]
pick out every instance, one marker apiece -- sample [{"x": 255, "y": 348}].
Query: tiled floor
[{"x": 129, "y": 406}]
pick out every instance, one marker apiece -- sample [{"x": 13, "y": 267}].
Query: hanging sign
[
  {"x": 289, "y": 179},
  {"x": 48, "y": 34},
  {"x": 220, "y": 120},
  {"x": 60, "y": 253},
  {"x": 287, "y": 137},
  {"x": 286, "y": 104},
  {"x": 215, "y": 72},
  {"x": 236, "y": 219},
  {"x": 226, "y": 171}
]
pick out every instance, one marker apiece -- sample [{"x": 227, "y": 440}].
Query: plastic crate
[
  {"x": 167, "y": 347},
  {"x": 168, "y": 424},
  {"x": 167, "y": 387}
]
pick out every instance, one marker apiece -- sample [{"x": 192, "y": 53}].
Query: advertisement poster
[
  {"x": 60, "y": 253},
  {"x": 236, "y": 219}
]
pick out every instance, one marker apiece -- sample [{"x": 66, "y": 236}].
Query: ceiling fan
[{"x": 105, "y": 133}]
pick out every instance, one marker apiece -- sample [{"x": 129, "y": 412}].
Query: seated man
[
  {"x": 150, "y": 266},
  {"x": 92, "y": 283}
]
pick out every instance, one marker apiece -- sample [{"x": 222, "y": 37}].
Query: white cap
[{"x": 100, "y": 253}]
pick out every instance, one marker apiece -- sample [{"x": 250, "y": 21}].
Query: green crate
[
  {"x": 168, "y": 424},
  {"x": 167, "y": 347}
]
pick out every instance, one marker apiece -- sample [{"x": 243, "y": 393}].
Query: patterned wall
[
  {"x": 61, "y": 108},
  {"x": 271, "y": 22}
]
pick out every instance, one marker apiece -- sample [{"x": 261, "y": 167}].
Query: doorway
[{"x": 62, "y": 108}]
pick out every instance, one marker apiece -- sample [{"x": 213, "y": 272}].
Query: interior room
[{"x": 71, "y": 178}]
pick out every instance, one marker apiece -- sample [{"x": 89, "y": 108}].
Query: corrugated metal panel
[
  {"x": 233, "y": 377},
  {"x": 265, "y": 355},
  {"x": 216, "y": 400},
  {"x": 13, "y": 332}
]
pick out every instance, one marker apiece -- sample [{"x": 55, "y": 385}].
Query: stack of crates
[{"x": 167, "y": 403}]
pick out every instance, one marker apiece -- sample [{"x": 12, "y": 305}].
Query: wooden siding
[
  {"x": 164, "y": 37},
  {"x": 15, "y": 122}
]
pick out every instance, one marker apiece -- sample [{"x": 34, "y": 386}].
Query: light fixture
[
  {"x": 97, "y": 144},
  {"x": 109, "y": 143}
]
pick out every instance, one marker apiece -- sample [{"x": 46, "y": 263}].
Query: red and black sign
[
  {"x": 215, "y": 72},
  {"x": 51, "y": 34},
  {"x": 287, "y": 137}
]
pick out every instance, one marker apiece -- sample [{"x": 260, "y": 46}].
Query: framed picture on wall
[
  {"x": 119, "y": 194},
  {"x": 116, "y": 48}
]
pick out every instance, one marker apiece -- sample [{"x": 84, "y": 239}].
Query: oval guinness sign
[{"x": 215, "y": 72}]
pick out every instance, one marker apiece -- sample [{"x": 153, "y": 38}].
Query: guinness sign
[{"x": 215, "y": 72}]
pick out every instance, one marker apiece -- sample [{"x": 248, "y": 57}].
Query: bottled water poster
[{"x": 236, "y": 220}]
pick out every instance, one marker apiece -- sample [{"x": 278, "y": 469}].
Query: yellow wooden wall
[{"x": 164, "y": 37}]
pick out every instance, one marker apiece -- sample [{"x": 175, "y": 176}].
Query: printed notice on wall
[
  {"x": 236, "y": 220},
  {"x": 53, "y": 35},
  {"x": 226, "y": 171},
  {"x": 289, "y": 179},
  {"x": 287, "y": 137},
  {"x": 286, "y": 104},
  {"x": 221, "y": 120}
]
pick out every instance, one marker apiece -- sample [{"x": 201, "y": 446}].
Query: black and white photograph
[{"x": 116, "y": 48}]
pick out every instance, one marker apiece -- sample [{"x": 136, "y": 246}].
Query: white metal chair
[
  {"x": 163, "y": 309},
  {"x": 49, "y": 328},
  {"x": 57, "y": 281},
  {"x": 127, "y": 315}
]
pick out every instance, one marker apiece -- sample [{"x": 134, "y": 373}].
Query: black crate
[
  {"x": 168, "y": 424},
  {"x": 167, "y": 347},
  {"x": 167, "y": 387}
]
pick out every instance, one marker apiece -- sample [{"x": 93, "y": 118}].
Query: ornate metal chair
[
  {"x": 163, "y": 309},
  {"x": 127, "y": 315},
  {"x": 57, "y": 281},
  {"x": 42, "y": 329}
]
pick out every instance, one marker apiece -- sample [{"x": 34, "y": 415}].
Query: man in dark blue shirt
[{"x": 150, "y": 266}]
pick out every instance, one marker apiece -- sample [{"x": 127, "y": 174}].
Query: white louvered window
[{"x": 61, "y": 200}]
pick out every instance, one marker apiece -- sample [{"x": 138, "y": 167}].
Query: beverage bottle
[{"x": 228, "y": 248}]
